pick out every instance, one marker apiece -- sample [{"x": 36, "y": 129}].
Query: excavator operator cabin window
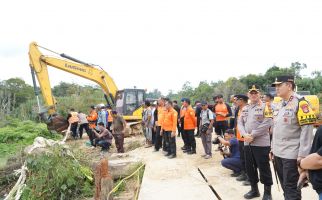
[
  {"x": 141, "y": 97},
  {"x": 131, "y": 102}
]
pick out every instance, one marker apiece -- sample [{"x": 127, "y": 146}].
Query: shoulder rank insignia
[
  {"x": 268, "y": 112},
  {"x": 305, "y": 114}
]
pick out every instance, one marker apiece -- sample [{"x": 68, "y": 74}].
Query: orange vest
[
  {"x": 239, "y": 138},
  {"x": 73, "y": 117},
  {"x": 190, "y": 119},
  {"x": 170, "y": 120},
  {"x": 92, "y": 118},
  {"x": 160, "y": 115},
  {"x": 109, "y": 118},
  {"x": 221, "y": 108}
]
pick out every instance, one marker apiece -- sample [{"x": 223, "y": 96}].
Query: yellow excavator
[{"x": 127, "y": 102}]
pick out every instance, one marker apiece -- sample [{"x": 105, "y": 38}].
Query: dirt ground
[{"x": 179, "y": 179}]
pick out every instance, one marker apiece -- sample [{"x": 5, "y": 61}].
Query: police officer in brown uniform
[
  {"x": 292, "y": 134},
  {"x": 253, "y": 125}
]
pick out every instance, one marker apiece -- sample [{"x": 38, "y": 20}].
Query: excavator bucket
[{"x": 57, "y": 123}]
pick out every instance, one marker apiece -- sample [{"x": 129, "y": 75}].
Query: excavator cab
[{"x": 128, "y": 102}]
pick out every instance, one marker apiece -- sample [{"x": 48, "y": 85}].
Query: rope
[
  {"x": 124, "y": 179},
  {"x": 16, "y": 191}
]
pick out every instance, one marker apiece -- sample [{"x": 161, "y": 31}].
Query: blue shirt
[{"x": 234, "y": 149}]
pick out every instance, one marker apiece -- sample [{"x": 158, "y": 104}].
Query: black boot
[
  {"x": 193, "y": 151},
  {"x": 267, "y": 193},
  {"x": 168, "y": 154},
  {"x": 242, "y": 177},
  {"x": 253, "y": 192},
  {"x": 187, "y": 149},
  {"x": 246, "y": 183}
]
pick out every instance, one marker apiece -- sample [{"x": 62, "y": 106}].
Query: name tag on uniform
[
  {"x": 275, "y": 113},
  {"x": 287, "y": 120},
  {"x": 258, "y": 112},
  {"x": 245, "y": 113},
  {"x": 288, "y": 113}
]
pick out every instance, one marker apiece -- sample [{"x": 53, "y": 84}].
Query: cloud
[{"x": 162, "y": 44}]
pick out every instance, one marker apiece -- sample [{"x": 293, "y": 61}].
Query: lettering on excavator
[{"x": 75, "y": 67}]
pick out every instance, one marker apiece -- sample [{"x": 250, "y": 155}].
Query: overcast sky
[{"x": 163, "y": 43}]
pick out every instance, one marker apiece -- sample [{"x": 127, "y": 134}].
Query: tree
[
  {"x": 204, "y": 91},
  {"x": 155, "y": 94},
  {"x": 296, "y": 68},
  {"x": 66, "y": 89},
  {"x": 14, "y": 92},
  {"x": 252, "y": 79}
]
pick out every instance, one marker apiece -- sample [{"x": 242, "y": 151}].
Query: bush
[
  {"x": 17, "y": 134},
  {"x": 56, "y": 176}
]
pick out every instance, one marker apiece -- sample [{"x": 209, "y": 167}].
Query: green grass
[
  {"x": 56, "y": 175},
  {"x": 17, "y": 134}
]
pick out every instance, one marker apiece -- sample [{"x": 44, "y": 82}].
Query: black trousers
[
  {"x": 158, "y": 139},
  {"x": 231, "y": 123},
  {"x": 102, "y": 143},
  {"x": 221, "y": 127},
  {"x": 242, "y": 155},
  {"x": 288, "y": 176},
  {"x": 257, "y": 157},
  {"x": 183, "y": 134},
  {"x": 109, "y": 124},
  {"x": 73, "y": 129},
  {"x": 179, "y": 128},
  {"x": 153, "y": 135},
  {"x": 172, "y": 143},
  {"x": 80, "y": 129},
  {"x": 91, "y": 136},
  {"x": 165, "y": 142},
  {"x": 191, "y": 141}
]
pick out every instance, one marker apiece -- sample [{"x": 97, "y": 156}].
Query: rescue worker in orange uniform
[
  {"x": 190, "y": 123},
  {"x": 222, "y": 111},
  {"x": 109, "y": 118},
  {"x": 181, "y": 121},
  {"x": 73, "y": 121},
  {"x": 169, "y": 128},
  {"x": 92, "y": 119},
  {"x": 241, "y": 101},
  {"x": 158, "y": 124}
]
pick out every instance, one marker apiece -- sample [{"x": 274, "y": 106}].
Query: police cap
[
  {"x": 253, "y": 88},
  {"x": 241, "y": 97},
  {"x": 203, "y": 103},
  {"x": 282, "y": 79}
]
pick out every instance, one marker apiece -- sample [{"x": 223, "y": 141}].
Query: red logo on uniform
[{"x": 305, "y": 108}]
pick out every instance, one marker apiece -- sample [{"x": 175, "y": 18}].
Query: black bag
[{"x": 204, "y": 128}]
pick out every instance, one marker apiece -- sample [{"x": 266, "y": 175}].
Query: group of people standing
[
  {"x": 281, "y": 132},
  {"x": 161, "y": 121},
  {"x": 101, "y": 125},
  {"x": 257, "y": 130}
]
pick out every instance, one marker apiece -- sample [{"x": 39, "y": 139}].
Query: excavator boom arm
[{"x": 39, "y": 63}]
